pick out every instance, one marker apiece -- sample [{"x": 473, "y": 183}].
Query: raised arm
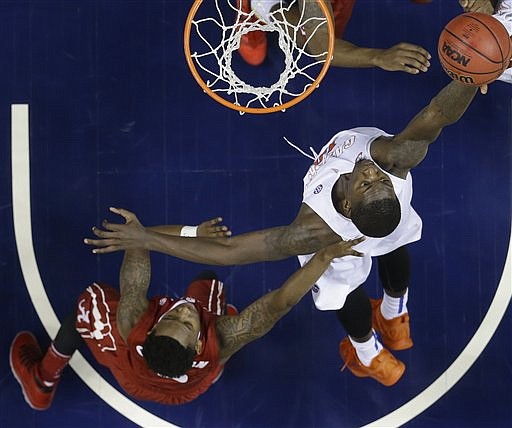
[
  {"x": 257, "y": 319},
  {"x": 134, "y": 278},
  {"x": 405, "y": 57},
  {"x": 306, "y": 234},
  {"x": 407, "y": 149}
]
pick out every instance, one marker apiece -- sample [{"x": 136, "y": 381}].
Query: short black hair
[
  {"x": 166, "y": 356},
  {"x": 377, "y": 219}
]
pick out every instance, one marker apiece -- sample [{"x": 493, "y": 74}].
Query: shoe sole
[{"x": 16, "y": 376}]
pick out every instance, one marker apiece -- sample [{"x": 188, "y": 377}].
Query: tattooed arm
[
  {"x": 257, "y": 319},
  {"x": 306, "y": 234},
  {"x": 134, "y": 283}
]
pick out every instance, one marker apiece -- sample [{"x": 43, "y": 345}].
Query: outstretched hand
[
  {"x": 213, "y": 229},
  {"x": 404, "y": 57},
  {"x": 117, "y": 237},
  {"x": 132, "y": 234},
  {"x": 342, "y": 248}
]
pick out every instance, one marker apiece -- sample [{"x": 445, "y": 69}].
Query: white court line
[
  {"x": 463, "y": 362},
  {"x": 23, "y": 233},
  {"x": 466, "y": 358}
]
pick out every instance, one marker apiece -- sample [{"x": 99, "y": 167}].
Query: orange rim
[{"x": 256, "y": 110}]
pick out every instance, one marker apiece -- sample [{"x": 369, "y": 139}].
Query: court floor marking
[
  {"x": 23, "y": 234},
  {"x": 463, "y": 362},
  {"x": 129, "y": 409}
]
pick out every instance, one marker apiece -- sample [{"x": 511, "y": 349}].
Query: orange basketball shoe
[
  {"x": 253, "y": 45},
  {"x": 384, "y": 368},
  {"x": 24, "y": 357},
  {"x": 395, "y": 333}
]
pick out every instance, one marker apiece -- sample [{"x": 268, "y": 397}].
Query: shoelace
[{"x": 351, "y": 357}]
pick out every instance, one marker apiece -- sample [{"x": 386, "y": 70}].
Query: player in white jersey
[
  {"x": 368, "y": 196},
  {"x": 339, "y": 156}
]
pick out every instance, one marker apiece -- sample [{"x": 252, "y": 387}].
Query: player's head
[
  {"x": 371, "y": 202},
  {"x": 173, "y": 342}
]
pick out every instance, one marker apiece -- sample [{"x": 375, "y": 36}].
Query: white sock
[
  {"x": 262, "y": 8},
  {"x": 393, "y": 307},
  {"x": 367, "y": 351}
]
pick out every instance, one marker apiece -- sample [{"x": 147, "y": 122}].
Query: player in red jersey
[
  {"x": 406, "y": 57},
  {"x": 160, "y": 349}
]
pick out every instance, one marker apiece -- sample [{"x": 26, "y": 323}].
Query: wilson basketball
[{"x": 474, "y": 48}]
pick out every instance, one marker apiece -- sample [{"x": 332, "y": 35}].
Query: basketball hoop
[{"x": 212, "y": 36}]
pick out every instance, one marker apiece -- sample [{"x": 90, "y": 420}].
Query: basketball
[{"x": 474, "y": 48}]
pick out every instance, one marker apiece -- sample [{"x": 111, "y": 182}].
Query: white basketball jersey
[
  {"x": 345, "y": 274},
  {"x": 503, "y": 14}
]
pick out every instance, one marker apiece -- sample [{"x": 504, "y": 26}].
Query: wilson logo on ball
[
  {"x": 467, "y": 80},
  {"x": 455, "y": 55}
]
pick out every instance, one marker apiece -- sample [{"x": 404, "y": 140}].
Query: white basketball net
[{"x": 222, "y": 79}]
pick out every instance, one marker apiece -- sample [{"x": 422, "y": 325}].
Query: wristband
[{"x": 189, "y": 231}]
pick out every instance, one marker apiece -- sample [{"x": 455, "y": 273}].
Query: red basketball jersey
[{"x": 96, "y": 323}]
